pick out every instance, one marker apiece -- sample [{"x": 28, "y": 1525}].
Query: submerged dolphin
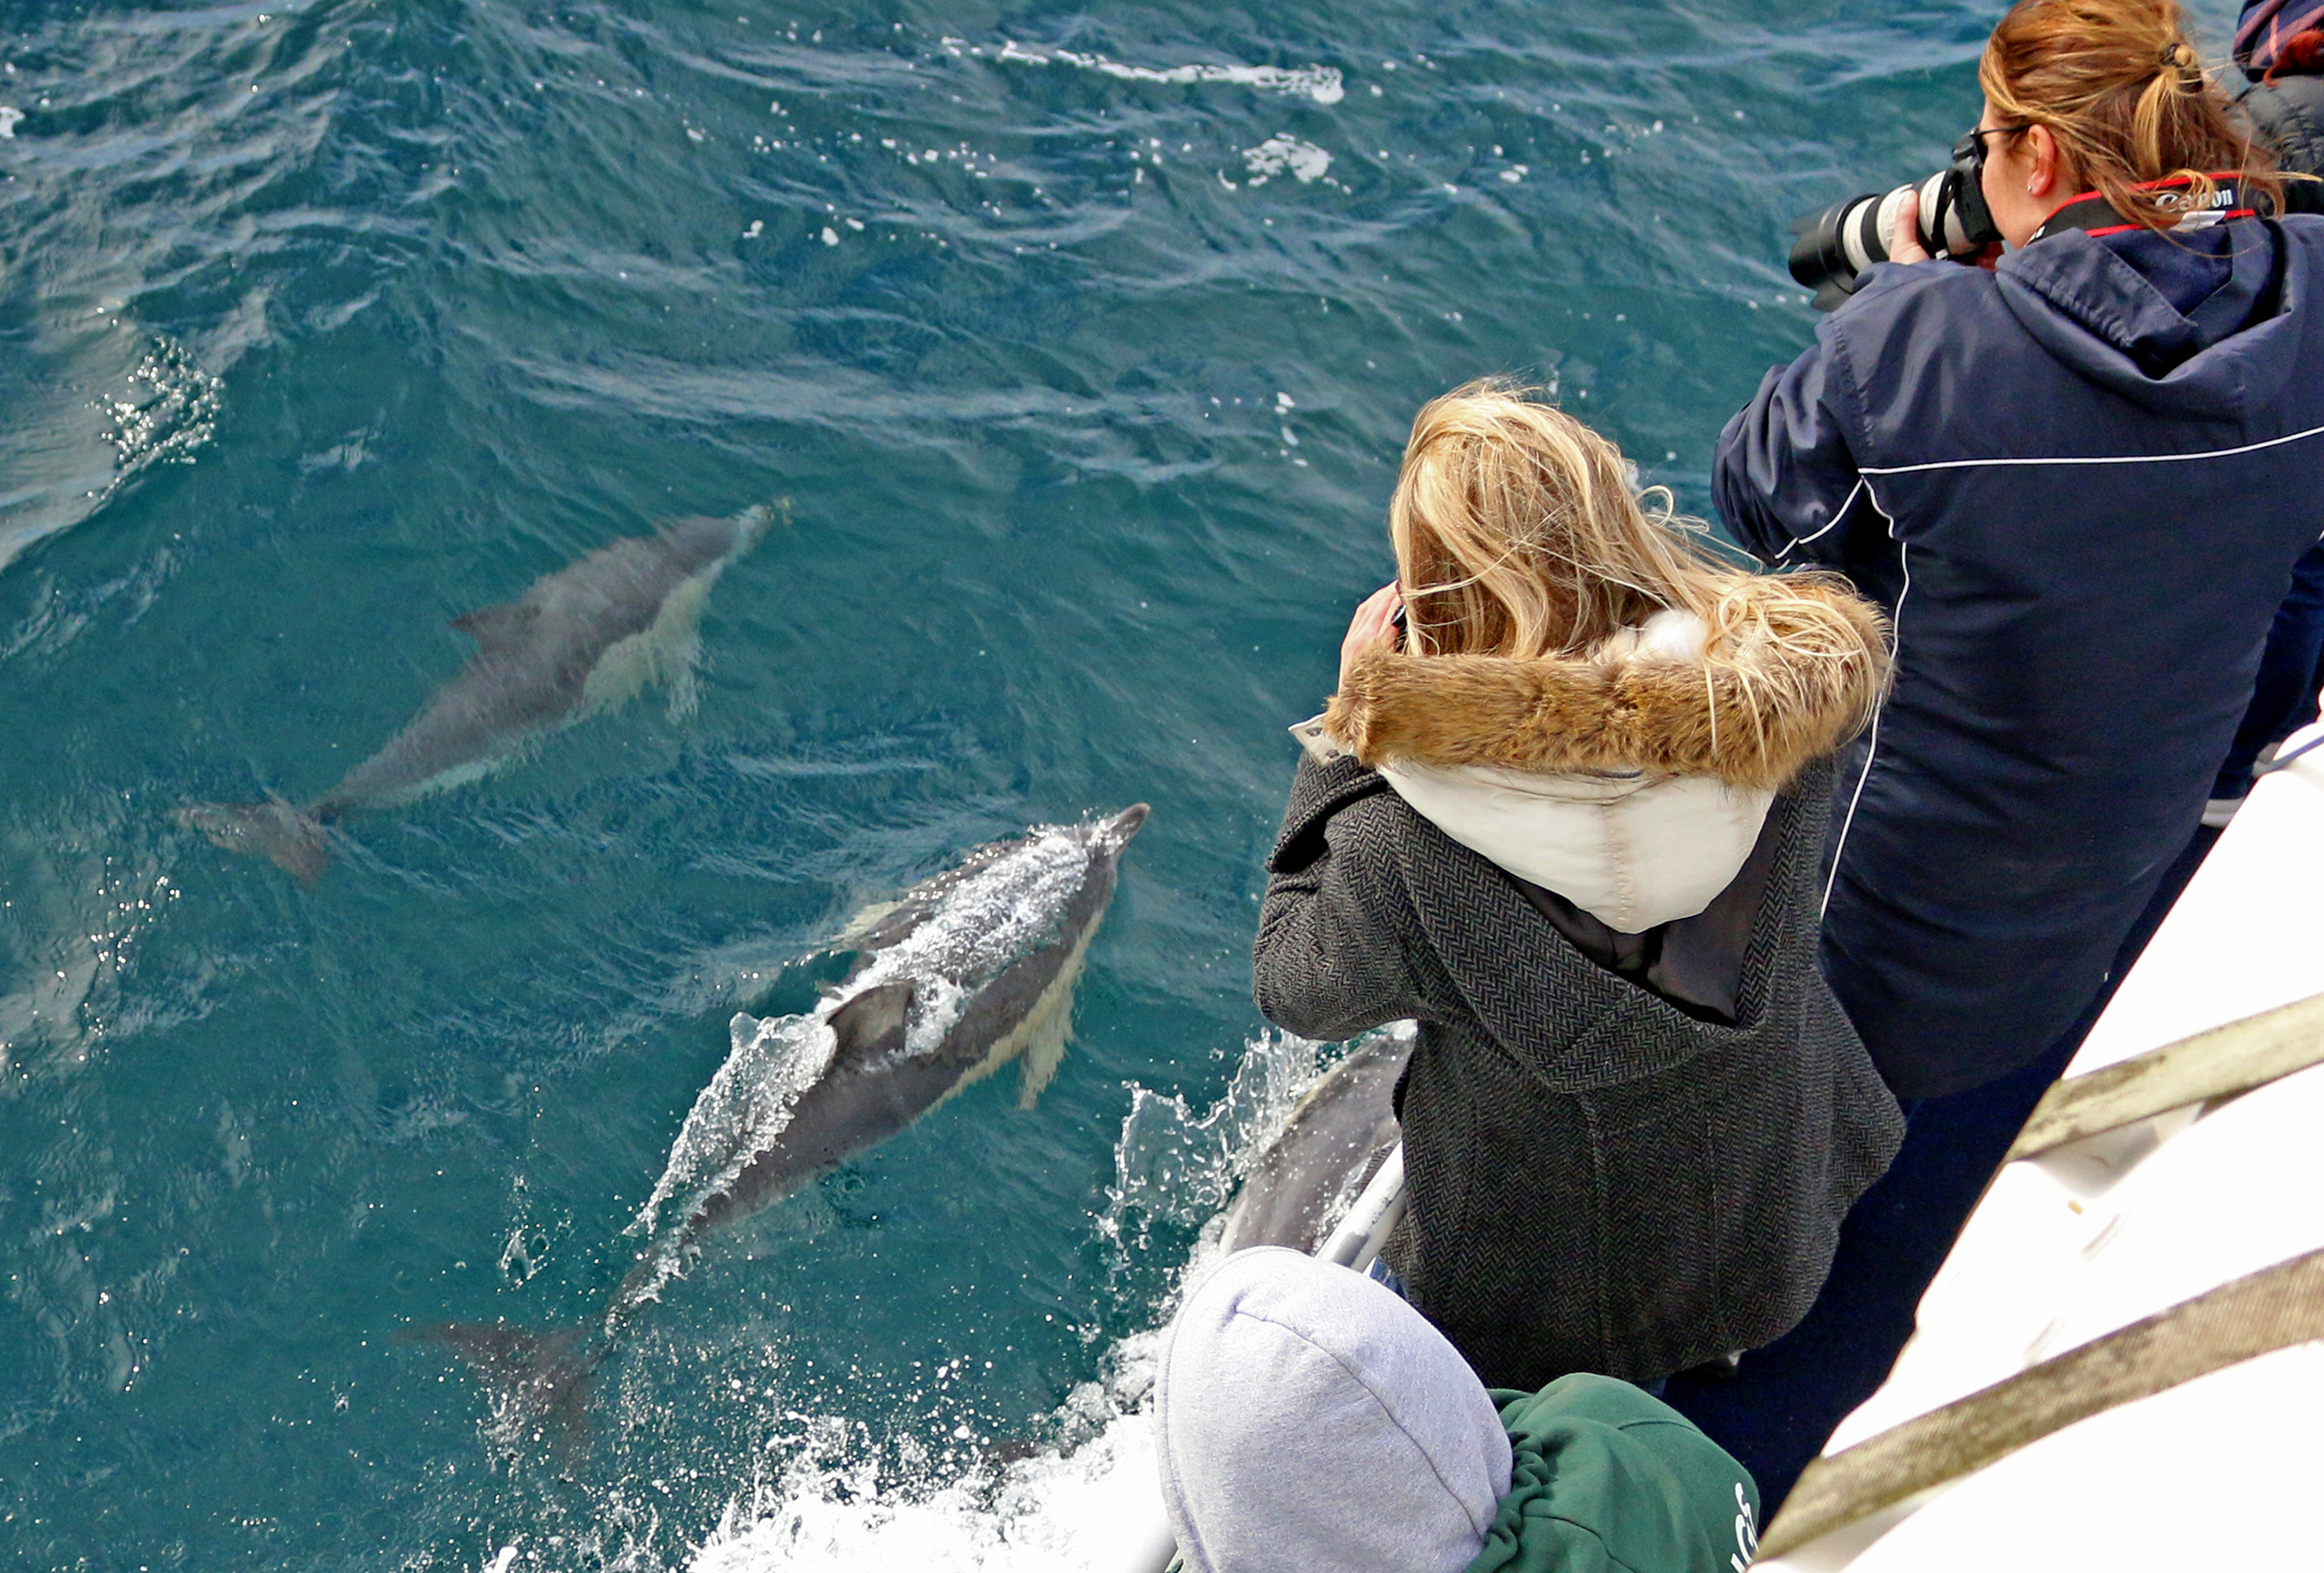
[
  {"x": 1326, "y": 1153},
  {"x": 970, "y": 970},
  {"x": 581, "y": 640}
]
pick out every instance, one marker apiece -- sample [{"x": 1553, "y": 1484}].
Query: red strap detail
[
  {"x": 2126, "y": 229},
  {"x": 2143, "y": 185}
]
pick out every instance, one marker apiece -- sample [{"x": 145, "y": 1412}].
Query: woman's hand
[
  {"x": 1907, "y": 247},
  {"x": 1373, "y": 627}
]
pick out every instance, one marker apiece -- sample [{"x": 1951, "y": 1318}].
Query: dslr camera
[{"x": 1837, "y": 243}]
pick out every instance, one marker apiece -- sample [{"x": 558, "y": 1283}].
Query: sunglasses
[{"x": 1969, "y": 152}]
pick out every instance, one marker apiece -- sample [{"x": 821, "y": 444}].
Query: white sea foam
[
  {"x": 1321, "y": 83},
  {"x": 1058, "y": 1512},
  {"x": 1067, "y": 1508},
  {"x": 10, "y": 118},
  {"x": 1284, "y": 154}
]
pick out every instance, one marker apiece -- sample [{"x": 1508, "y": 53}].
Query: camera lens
[
  {"x": 1837, "y": 245},
  {"x": 1823, "y": 258}
]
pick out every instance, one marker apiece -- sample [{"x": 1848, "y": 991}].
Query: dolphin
[
  {"x": 970, "y": 970},
  {"x": 585, "y": 639},
  {"x": 1325, "y": 1154}
]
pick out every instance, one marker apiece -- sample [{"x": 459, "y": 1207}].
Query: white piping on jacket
[
  {"x": 2113, "y": 458},
  {"x": 1842, "y": 513},
  {"x": 1872, "y": 750},
  {"x": 1904, "y": 562}
]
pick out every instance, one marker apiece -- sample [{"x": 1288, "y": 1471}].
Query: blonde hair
[
  {"x": 1520, "y": 532},
  {"x": 1522, "y": 547},
  {"x": 2123, "y": 91}
]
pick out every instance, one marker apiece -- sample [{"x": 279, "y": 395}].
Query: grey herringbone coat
[{"x": 1598, "y": 1181}]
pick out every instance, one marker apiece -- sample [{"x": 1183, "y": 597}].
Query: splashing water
[
  {"x": 1175, "y": 1166},
  {"x": 746, "y": 1106},
  {"x": 170, "y": 410},
  {"x": 1058, "y": 1512}
]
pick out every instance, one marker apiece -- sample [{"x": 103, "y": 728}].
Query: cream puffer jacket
[{"x": 1632, "y": 780}]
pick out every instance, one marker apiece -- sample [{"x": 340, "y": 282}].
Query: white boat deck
[{"x": 2224, "y": 1471}]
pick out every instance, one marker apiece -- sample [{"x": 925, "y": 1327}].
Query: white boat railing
[{"x": 1356, "y": 1242}]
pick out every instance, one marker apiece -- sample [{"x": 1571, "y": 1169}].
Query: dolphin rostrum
[
  {"x": 585, "y": 639},
  {"x": 1317, "y": 1165},
  {"x": 970, "y": 970}
]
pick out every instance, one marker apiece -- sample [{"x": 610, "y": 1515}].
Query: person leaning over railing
[
  {"x": 1571, "y": 822},
  {"x": 2079, "y": 480}
]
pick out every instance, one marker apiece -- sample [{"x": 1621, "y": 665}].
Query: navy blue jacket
[{"x": 2079, "y": 482}]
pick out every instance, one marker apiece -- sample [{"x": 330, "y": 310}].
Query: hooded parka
[
  {"x": 2079, "y": 483},
  {"x": 1598, "y": 1180}
]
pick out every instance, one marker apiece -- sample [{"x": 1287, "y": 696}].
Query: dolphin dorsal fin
[
  {"x": 503, "y": 624},
  {"x": 872, "y": 1020}
]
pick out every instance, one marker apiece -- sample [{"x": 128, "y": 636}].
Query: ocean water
[{"x": 1076, "y": 346}]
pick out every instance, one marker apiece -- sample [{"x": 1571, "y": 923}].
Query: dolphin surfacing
[
  {"x": 1312, "y": 1171},
  {"x": 972, "y": 968},
  {"x": 585, "y": 639}
]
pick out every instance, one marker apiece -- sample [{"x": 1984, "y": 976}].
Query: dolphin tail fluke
[
  {"x": 290, "y": 838},
  {"x": 540, "y": 1382}
]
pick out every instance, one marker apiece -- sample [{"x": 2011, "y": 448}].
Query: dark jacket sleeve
[
  {"x": 1336, "y": 926},
  {"x": 1785, "y": 480}
]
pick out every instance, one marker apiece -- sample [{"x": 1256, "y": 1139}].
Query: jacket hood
[
  {"x": 1308, "y": 1421},
  {"x": 1633, "y": 782},
  {"x": 1632, "y": 850},
  {"x": 2118, "y": 311},
  {"x": 1788, "y": 685}
]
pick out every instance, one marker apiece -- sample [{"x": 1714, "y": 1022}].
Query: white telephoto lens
[{"x": 1935, "y": 210}]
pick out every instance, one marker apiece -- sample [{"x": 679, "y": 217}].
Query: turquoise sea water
[{"x": 1081, "y": 343}]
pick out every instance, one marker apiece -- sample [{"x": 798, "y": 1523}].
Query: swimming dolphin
[
  {"x": 585, "y": 639},
  {"x": 1325, "y": 1154},
  {"x": 970, "y": 970}
]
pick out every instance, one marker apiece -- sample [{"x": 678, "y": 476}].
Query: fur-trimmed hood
[
  {"x": 1793, "y": 684},
  {"x": 1633, "y": 781}
]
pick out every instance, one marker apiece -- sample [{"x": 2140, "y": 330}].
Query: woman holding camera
[
  {"x": 2079, "y": 479},
  {"x": 1570, "y": 817}
]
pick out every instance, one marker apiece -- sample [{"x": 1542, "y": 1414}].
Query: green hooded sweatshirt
[{"x": 1605, "y": 1479}]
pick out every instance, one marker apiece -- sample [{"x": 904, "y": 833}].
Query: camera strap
[{"x": 2093, "y": 214}]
